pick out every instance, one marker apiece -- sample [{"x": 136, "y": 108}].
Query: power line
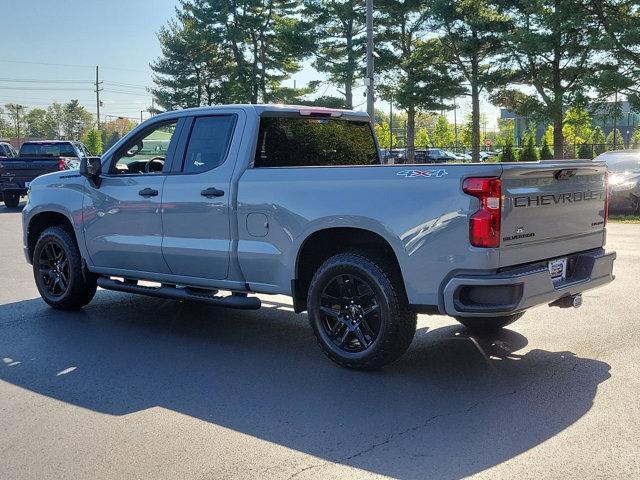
[
  {"x": 39, "y": 80},
  {"x": 73, "y": 65}
]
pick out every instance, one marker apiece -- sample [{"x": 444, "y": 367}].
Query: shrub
[
  {"x": 546, "y": 153},
  {"x": 585, "y": 151},
  {"x": 508, "y": 154},
  {"x": 529, "y": 152}
]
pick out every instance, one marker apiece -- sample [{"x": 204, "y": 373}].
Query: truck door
[
  {"x": 122, "y": 217},
  {"x": 196, "y": 200}
]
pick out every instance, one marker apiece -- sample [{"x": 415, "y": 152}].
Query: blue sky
[{"x": 59, "y": 42}]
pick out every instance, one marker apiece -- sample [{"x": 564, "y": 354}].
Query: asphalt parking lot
[{"x": 135, "y": 387}]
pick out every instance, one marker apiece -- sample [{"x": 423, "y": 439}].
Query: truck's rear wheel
[
  {"x": 57, "y": 268},
  {"x": 11, "y": 200},
  {"x": 359, "y": 316},
  {"x": 488, "y": 324}
]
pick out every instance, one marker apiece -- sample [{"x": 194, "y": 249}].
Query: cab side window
[
  {"x": 145, "y": 153},
  {"x": 208, "y": 143}
]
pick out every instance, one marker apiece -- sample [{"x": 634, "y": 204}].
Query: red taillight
[
  {"x": 484, "y": 224},
  {"x": 606, "y": 197}
]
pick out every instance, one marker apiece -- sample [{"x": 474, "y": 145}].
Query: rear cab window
[
  {"x": 314, "y": 142},
  {"x": 48, "y": 150}
]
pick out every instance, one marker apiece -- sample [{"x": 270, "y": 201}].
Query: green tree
[
  {"x": 76, "y": 120},
  {"x": 506, "y": 130},
  {"x": 419, "y": 78},
  {"x": 93, "y": 142},
  {"x": 443, "y": 135},
  {"x": 266, "y": 39},
  {"x": 635, "y": 138},
  {"x": 620, "y": 20},
  {"x": 6, "y": 129},
  {"x": 36, "y": 123},
  {"x": 473, "y": 33},
  {"x": 553, "y": 47},
  {"x": 529, "y": 151},
  {"x": 598, "y": 140},
  {"x": 16, "y": 113},
  {"x": 615, "y": 140},
  {"x": 508, "y": 154},
  {"x": 576, "y": 130},
  {"x": 55, "y": 121},
  {"x": 338, "y": 28},
  {"x": 585, "y": 151},
  {"x": 193, "y": 71},
  {"x": 422, "y": 138},
  {"x": 384, "y": 135},
  {"x": 545, "y": 152}
]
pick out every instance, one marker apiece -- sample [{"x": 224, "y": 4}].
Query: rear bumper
[{"x": 523, "y": 287}]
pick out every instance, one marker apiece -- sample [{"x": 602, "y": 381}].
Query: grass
[{"x": 625, "y": 218}]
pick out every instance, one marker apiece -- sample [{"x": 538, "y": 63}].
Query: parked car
[
  {"x": 37, "y": 158},
  {"x": 7, "y": 150},
  {"x": 624, "y": 180},
  {"x": 433, "y": 155},
  {"x": 282, "y": 200}
]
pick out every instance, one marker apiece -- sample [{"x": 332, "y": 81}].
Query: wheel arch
[
  {"x": 324, "y": 243},
  {"x": 39, "y": 222}
]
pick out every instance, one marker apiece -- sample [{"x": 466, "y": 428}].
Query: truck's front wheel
[
  {"x": 359, "y": 316},
  {"x": 488, "y": 324},
  {"x": 57, "y": 267}
]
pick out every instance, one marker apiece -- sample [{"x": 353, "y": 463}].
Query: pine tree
[
  {"x": 585, "y": 151},
  {"x": 598, "y": 140},
  {"x": 508, "y": 154},
  {"x": 545, "y": 153},
  {"x": 473, "y": 34},
  {"x": 338, "y": 27},
  {"x": 553, "y": 47},
  {"x": 529, "y": 152},
  {"x": 418, "y": 75}
]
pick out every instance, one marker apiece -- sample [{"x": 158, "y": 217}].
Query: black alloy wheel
[
  {"x": 358, "y": 311},
  {"x": 350, "y": 313},
  {"x": 53, "y": 267},
  {"x": 58, "y": 271}
]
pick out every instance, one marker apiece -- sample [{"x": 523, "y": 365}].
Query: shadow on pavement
[{"x": 454, "y": 405}]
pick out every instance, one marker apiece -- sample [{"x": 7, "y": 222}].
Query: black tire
[
  {"x": 11, "y": 200},
  {"x": 488, "y": 324},
  {"x": 58, "y": 272},
  {"x": 383, "y": 327}
]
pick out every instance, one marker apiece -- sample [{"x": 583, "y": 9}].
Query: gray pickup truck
[{"x": 295, "y": 201}]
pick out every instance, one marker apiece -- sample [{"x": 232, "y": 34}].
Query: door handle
[
  {"x": 148, "y": 192},
  {"x": 212, "y": 192}
]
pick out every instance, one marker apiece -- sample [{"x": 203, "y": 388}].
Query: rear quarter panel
[{"x": 423, "y": 216}]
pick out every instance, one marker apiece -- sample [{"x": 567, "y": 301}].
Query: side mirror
[{"x": 91, "y": 167}]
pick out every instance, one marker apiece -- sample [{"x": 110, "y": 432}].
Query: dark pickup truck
[{"x": 35, "y": 159}]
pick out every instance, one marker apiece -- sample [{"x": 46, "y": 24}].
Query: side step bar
[{"x": 235, "y": 300}]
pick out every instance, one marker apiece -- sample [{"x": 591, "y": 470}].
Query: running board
[{"x": 236, "y": 300}]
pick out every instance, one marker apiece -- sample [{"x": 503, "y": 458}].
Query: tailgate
[
  {"x": 27, "y": 170},
  {"x": 551, "y": 209}
]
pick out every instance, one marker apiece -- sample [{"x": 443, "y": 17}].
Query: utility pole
[
  {"x": 98, "y": 90},
  {"x": 391, "y": 123},
  {"x": 18, "y": 107},
  {"x": 455, "y": 121},
  {"x": 369, "y": 80}
]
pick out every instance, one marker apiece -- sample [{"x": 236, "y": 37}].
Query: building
[{"x": 606, "y": 116}]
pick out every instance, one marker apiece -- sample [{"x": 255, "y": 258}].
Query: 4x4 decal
[{"x": 439, "y": 173}]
